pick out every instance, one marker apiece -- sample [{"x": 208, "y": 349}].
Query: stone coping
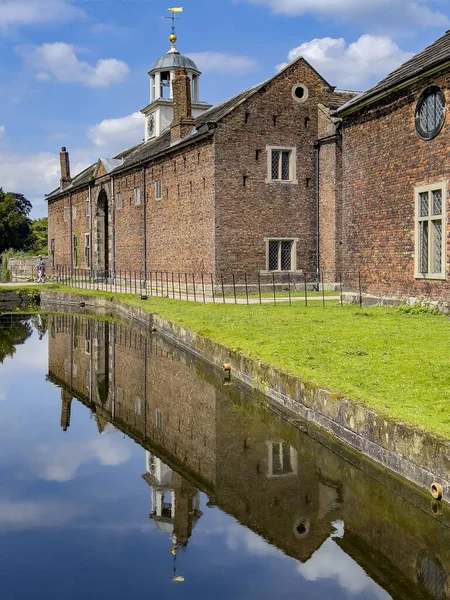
[{"x": 417, "y": 456}]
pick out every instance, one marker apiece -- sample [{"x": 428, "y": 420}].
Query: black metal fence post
[
  {"x": 223, "y": 287},
  {"x": 234, "y": 289},
  {"x": 186, "y": 282},
  {"x": 289, "y": 288},
  {"x": 323, "y": 290},
  {"x": 246, "y": 288},
  {"x": 203, "y": 289},
  {"x": 259, "y": 288},
  {"x": 360, "y": 289},
  {"x": 306, "y": 293},
  {"x": 193, "y": 283},
  {"x": 340, "y": 290}
]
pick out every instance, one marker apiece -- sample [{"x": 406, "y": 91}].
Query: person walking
[{"x": 40, "y": 268}]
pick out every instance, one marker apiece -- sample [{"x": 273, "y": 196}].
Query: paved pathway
[{"x": 207, "y": 299}]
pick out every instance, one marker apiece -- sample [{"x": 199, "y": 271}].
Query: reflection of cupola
[{"x": 160, "y": 112}]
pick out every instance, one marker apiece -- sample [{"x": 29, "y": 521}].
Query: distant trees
[
  {"x": 15, "y": 224},
  {"x": 17, "y": 231}
]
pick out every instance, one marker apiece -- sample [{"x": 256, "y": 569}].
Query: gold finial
[{"x": 173, "y": 38}]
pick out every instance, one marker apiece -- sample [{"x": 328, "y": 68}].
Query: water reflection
[{"x": 347, "y": 528}]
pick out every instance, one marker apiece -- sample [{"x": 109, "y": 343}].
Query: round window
[
  {"x": 430, "y": 113},
  {"x": 300, "y": 92}
]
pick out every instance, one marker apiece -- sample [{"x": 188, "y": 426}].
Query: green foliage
[
  {"x": 37, "y": 242},
  {"x": 417, "y": 309},
  {"x": 13, "y": 335},
  {"x": 14, "y": 223}
]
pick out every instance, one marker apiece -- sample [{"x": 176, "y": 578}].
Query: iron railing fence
[{"x": 311, "y": 288}]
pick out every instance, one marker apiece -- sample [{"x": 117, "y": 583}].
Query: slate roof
[
  {"x": 433, "y": 56},
  {"x": 204, "y": 125}
]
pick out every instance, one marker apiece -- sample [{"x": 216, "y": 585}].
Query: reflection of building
[
  {"x": 271, "y": 477},
  {"x": 66, "y": 405},
  {"x": 175, "y": 504}
]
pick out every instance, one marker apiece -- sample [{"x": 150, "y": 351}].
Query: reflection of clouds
[
  {"x": 2, "y": 396},
  {"x": 61, "y": 462},
  {"x": 331, "y": 562},
  {"x": 21, "y": 515},
  {"x": 238, "y": 538}
]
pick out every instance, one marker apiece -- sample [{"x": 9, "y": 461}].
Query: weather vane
[{"x": 173, "y": 36}]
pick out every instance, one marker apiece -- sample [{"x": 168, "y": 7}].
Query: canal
[{"x": 130, "y": 470}]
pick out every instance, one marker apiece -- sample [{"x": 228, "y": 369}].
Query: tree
[
  {"x": 37, "y": 242},
  {"x": 14, "y": 221}
]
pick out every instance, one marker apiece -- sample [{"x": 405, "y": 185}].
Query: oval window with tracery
[{"x": 430, "y": 113}]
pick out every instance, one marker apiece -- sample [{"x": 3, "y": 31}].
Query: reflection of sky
[{"x": 74, "y": 516}]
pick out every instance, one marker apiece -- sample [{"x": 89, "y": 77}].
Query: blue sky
[{"x": 74, "y": 72}]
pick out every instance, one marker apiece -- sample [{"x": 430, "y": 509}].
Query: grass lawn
[{"x": 392, "y": 360}]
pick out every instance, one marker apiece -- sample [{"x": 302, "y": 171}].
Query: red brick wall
[
  {"x": 180, "y": 226},
  {"x": 246, "y": 215},
  {"x": 383, "y": 161}
]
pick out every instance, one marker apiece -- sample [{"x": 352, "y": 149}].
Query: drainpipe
[
  {"x": 113, "y": 236},
  {"x": 71, "y": 230},
  {"x": 317, "y": 147},
  {"x": 90, "y": 227},
  {"x": 144, "y": 212}
]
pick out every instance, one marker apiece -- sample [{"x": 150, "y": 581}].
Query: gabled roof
[
  {"x": 204, "y": 126},
  {"x": 434, "y": 56}
]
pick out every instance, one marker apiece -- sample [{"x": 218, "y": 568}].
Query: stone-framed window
[
  {"x": 137, "y": 196},
  {"x": 430, "y": 217},
  {"x": 282, "y": 459},
  {"x": 88, "y": 208},
  {"x": 74, "y": 212},
  {"x": 76, "y": 254},
  {"x": 66, "y": 213},
  {"x": 281, "y": 254},
  {"x": 159, "y": 419},
  {"x": 158, "y": 190},
  {"x": 119, "y": 200},
  {"x": 281, "y": 164},
  {"x": 52, "y": 253},
  {"x": 119, "y": 395},
  {"x": 137, "y": 407},
  {"x": 87, "y": 249}
]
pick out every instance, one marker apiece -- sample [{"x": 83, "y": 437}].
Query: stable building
[
  {"x": 395, "y": 175},
  {"x": 210, "y": 190}
]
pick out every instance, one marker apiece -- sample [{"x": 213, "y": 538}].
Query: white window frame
[
  {"x": 294, "y": 241},
  {"x": 442, "y": 186},
  {"x": 158, "y": 190},
  {"x": 119, "y": 200},
  {"x": 292, "y": 164},
  {"x": 88, "y": 208},
  {"x": 159, "y": 419},
  {"x": 137, "y": 196},
  {"x": 74, "y": 212},
  {"x": 138, "y": 406},
  {"x": 66, "y": 213}
]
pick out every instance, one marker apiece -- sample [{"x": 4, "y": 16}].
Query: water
[{"x": 126, "y": 467}]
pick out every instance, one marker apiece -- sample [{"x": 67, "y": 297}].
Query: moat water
[{"x": 130, "y": 470}]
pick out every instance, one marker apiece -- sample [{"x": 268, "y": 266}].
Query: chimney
[
  {"x": 65, "y": 180},
  {"x": 66, "y": 403},
  {"x": 183, "y": 122}
]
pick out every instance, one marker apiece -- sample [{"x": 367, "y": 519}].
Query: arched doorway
[{"x": 102, "y": 232}]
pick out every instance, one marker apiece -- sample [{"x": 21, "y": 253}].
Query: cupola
[{"x": 159, "y": 114}]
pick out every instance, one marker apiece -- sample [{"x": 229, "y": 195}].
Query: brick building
[
  {"x": 395, "y": 172},
  {"x": 209, "y": 190}
]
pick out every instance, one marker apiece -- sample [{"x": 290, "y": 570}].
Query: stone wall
[
  {"x": 24, "y": 269},
  {"x": 384, "y": 160}
]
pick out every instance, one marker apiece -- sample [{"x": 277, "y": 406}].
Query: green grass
[{"x": 394, "y": 360}]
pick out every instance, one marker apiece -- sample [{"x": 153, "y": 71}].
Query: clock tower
[{"x": 159, "y": 113}]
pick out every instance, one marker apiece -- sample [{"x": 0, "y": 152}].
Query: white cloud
[
  {"x": 2, "y": 130},
  {"x": 330, "y": 562},
  {"x": 354, "y": 65},
  {"x": 385, "y": 14},
  {"x": 225, "y": 63},
  {"x": 23, "y": 515},
  {"x": 60, "y": 61},
  {"x": 118, "y": 134},
  {"x": 61, "y": 463},
  {"x": 16, "y": 13}
]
